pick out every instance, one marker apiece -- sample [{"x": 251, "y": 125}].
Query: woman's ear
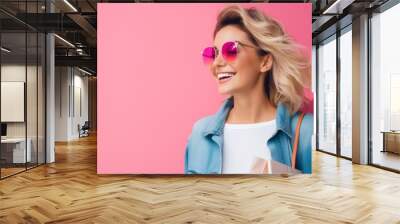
[{"x": 266, "y": 63}]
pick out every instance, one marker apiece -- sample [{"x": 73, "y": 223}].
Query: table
[
  {"x": 13, "y": 150},
  {"x": 391, "y": 141}
]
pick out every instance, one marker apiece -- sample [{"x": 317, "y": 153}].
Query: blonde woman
[{"x": 258, "y": 66}]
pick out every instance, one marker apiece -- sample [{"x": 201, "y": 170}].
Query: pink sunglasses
[{"x": 229, "y": 52}]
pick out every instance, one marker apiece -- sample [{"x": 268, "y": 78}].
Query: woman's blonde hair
[{"x": 284, "y": 82}]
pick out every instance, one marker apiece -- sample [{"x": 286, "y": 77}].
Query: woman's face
[{"x": 245, "y": 71}]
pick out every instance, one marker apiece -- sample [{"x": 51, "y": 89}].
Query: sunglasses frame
[{"x": 237, "y": 43}]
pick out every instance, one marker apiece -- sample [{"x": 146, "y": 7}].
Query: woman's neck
[{"x": 252, "y": 107}]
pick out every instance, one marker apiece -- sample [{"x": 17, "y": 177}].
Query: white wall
[
  {"x": 70, "y": 83},
  {"x": 12, "y": 73},
  {"x": 62, "y": 81},
  {"x": 9, "y": 73},
  {"x": 80, "y": 84}
]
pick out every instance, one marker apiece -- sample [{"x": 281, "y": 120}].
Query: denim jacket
[{"x": 204, "y": 148}]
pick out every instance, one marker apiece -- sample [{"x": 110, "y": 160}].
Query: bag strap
[{"x": 296, "y": 140}]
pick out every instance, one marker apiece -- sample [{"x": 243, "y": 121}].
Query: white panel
[
  {"x": 77, "y": 112},
  {"x": 50, "y": 99},
  {"x": 12, "y": 101},
  {"x": 19, "y": 151}
]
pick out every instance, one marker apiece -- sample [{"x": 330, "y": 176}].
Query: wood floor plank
[{"x": 70, "y": 191}]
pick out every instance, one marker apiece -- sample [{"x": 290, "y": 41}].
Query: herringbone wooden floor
[{"x": 70, "y": 191}]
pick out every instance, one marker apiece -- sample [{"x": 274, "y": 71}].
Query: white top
[{"x": 243, "y": 143}]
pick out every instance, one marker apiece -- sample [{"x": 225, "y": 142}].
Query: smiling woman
[{"x": 260, "y": 69}]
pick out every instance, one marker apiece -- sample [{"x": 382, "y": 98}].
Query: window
[
  {"x": 385, "y": 89},
  {"x": 346, "y": 92},
  {"x": 327, "y": 96},
  {"x": 22, "y": 66}
]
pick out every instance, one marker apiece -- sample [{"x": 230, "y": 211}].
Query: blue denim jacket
[{"x": 204, "y": 148}]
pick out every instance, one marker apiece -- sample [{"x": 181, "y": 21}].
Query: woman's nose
[{"x": 219, "y": 61}]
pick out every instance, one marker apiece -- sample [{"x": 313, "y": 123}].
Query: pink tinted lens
[
  {"x": 229, "y": 51},
  {"x": 208, "y": 55}
]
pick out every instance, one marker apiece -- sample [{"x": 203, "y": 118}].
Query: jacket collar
[{"x": 216, "y": 123}]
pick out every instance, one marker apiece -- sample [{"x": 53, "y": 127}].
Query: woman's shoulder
[{"x": 201, "y": 124}]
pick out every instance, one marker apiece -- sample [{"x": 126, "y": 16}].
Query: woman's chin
[{"x": 224, "y": 90}]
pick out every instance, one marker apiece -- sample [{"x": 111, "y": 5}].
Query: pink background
[{"x": 152, "y": 85}]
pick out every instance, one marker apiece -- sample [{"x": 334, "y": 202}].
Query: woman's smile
[{"x": 224, "y": 77}]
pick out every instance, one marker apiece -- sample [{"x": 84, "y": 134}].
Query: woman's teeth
[{"x": 225, "y": 75}]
